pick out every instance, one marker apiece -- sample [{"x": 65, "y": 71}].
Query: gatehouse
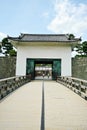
[{"x": 44, "y": 54}]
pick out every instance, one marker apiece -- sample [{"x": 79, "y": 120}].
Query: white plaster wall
[{"x": 54, "y": 52}]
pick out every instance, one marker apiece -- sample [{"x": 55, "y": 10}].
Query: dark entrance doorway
[{"x": 48, "y": 67}]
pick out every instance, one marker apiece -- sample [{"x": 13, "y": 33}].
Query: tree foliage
[
  {"x": 85, "y": 47},
  {"x": 12, "y": 53},
  {"x": 0, "y": 49},
  {"x": 82, "y": 48},
  {"x": 8, "y": 47}
]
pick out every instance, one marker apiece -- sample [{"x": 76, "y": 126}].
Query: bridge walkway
[{"x": 44, "y": 105}]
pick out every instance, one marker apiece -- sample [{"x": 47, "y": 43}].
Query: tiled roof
[{"x": 44, "y": 38}]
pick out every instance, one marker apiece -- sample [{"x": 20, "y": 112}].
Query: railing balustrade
[
  {"x": 8, "y": 85},
  {"x": 79, "y": 86}
]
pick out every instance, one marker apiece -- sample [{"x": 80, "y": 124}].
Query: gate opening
[
  {"x": 43, "y": 70},
  {"x": 49, "y": 68}
]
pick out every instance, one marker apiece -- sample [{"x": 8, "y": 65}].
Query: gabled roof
[{"x": 44, "y": 38}]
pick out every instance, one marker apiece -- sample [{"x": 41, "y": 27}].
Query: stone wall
[
  {"x": 7, "y": 67},
  {"x": 79, "y": 67}
]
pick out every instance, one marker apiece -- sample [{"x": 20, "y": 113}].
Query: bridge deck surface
[{"x": 23, "y": 109}]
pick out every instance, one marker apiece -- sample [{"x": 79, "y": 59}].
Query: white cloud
[
  {"x": 46, "y": 14},
  {"x": 2, "y": 35},
  {"x": 69, "y": 18}
]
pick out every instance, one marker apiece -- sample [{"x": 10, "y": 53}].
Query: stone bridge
[{"x": 42, "y": 104}]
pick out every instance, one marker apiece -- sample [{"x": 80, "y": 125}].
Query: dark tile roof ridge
[
  {"x": 23, "y": 34},
  {"x": 12, "y": 37}
]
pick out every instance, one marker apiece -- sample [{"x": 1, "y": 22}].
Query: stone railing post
[
  {"x": 10, "y": 84},
  {"x": 77, "y": 85}
]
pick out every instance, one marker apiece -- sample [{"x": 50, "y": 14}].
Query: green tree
[
  {"x": 82, "y": 48},
  {"x": 8, "y": 47},
  {"x": 85, "y": 47},
  {"x": 79, "y": 49},
  {"x": 12, "y": 53},
  {"x": 0, "y": 49}
]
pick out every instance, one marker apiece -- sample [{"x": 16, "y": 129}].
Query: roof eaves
[
  {"x": 20, "y": 40},
  {"x": 13, "y": 38}
]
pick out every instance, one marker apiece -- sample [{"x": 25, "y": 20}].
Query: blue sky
[{"x": 43, "y": 16}]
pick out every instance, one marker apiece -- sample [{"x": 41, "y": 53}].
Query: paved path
[{"x": 43, "y": 106}]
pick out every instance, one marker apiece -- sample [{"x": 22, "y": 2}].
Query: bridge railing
[
  {"x": 8, "y": 85},
  {"x": 79, "y": 86}
]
